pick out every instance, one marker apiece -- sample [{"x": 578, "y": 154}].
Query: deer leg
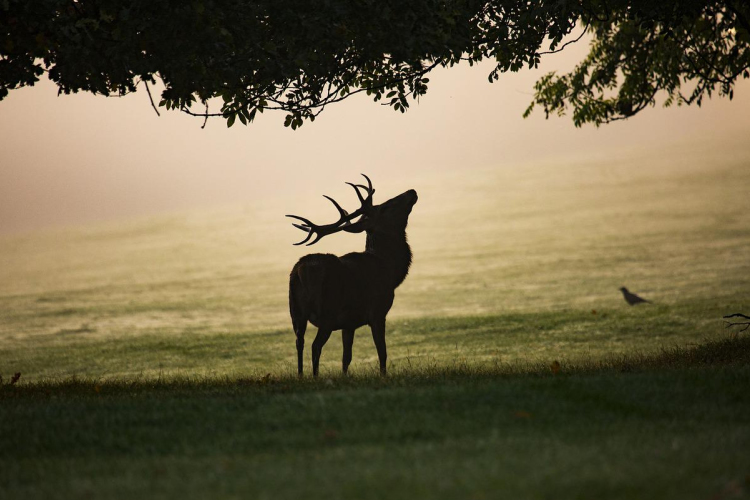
[
  {"x": 348, "y": 337},
  {"x": 300, "y": 345},
  {"x": 320, "y": 340},
  {"x": 378, "y": 335},
  {"x": 299, "y": 318}
]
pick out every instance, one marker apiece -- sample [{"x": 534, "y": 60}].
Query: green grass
[
  {"x": 566, "y": 335},
  {"x": 671, "y": 425},
  {"x": 157, "y": 358}
]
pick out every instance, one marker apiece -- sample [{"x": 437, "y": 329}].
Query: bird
[{"x": 632, "y": 298}]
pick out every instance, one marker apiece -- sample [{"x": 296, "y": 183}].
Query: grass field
[
  {"x": 156, "y": 355},
  {"x": 671, "y": 426}
]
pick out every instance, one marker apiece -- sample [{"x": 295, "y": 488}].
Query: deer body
[{"x": 357, "y": 289}]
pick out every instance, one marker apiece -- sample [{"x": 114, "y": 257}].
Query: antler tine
[
  {"x": 369, "y": 185},
  {"x": 356, "y": 190},
  {"x": 307, "y": 227},
  {"x": 368, "y": 189},
  {"x": 309, "y": 235},
  {"x": 343, "y": 213},
  {"x": 317, "y": 237},
  {"x": 345, "y": 219},
  {"x": 306, "y": 221}
]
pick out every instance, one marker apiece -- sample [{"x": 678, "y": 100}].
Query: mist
[{"x": 78, "y": 159}]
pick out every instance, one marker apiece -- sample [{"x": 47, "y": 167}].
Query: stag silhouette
[{"x": 356, "y": 289}]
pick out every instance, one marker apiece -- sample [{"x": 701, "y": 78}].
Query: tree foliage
[
  {"x": 686, "y": 50},
  {"x": 300, "y": 56}
]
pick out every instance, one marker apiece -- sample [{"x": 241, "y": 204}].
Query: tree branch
[
  {"x": 569, "y": 42},
  {"x": 148, "y": 91},
  {"x": 730, "y": 324}
]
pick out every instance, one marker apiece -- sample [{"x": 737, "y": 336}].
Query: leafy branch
[{"x": 299, "y": 57}]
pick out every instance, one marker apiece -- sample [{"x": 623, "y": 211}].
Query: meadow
[{"x": 157, "y": 357}]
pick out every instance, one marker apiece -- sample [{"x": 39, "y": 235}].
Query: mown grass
[
  {"x": 567, "y": 335},
  {"x": 671, "y": 425},
  {"x": 157, "y": 359}
]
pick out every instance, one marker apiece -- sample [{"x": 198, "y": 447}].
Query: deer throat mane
[{"x": 394, "y": 250}]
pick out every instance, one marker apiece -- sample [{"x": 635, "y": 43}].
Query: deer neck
[{"x": 394, "y": 250}]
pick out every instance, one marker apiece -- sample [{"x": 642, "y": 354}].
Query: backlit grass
[{"x": 157, "y": 357}]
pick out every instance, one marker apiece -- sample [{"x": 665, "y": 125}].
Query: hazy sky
[{"x": 83, "y": 158}]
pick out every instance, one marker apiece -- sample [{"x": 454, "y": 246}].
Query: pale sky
[{"x": 80, "y": 158}]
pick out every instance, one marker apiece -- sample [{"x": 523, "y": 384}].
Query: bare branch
[
  {"x": 737, "y": 315},
  {"x": 206, "y": 119},
  {"x": 569, "y": 42},
  {"x": 730, "y": 324},
  {"x": 202, "y": 115},
  {"x": 148, "y": 90}
]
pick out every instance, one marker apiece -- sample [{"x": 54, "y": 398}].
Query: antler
[{"x": 345, "y": 219}]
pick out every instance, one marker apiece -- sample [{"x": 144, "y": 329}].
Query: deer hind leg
[
  {"x": 300, "y": 332},
  {"x": 378, "y": 335},
  {"x": 348, "y": 337},
  {"x": 299, "y": 324},
  {"x": 317, "y": 348}
]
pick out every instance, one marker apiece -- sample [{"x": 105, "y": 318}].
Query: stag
[{"x": 356, "y": 289}]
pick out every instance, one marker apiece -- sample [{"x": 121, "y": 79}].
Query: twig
[
  {"x": 148, "y": 90},
  {"x": 202, "y": 115},
  {"x": 737, "y": 315},
  {"x": 206, "y": 120},
  {"x": 569, "y": 42},
  {"x": 730, "y": 324}
]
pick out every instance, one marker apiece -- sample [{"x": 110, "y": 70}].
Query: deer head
[{"x": 390, "y": 217}]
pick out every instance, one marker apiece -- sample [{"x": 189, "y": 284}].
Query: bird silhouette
[{"x": 632, "y": 298}]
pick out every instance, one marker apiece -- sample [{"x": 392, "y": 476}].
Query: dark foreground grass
[{"x": 671, "y": 425}]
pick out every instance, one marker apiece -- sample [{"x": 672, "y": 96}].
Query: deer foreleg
[
  {"x": 378, "y": 335},
  {"x": 348, "y": 337},
  {"x": 317, "y": 348}
]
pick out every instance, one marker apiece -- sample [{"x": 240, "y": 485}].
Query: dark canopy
[{"x": 301, "y": 55}]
